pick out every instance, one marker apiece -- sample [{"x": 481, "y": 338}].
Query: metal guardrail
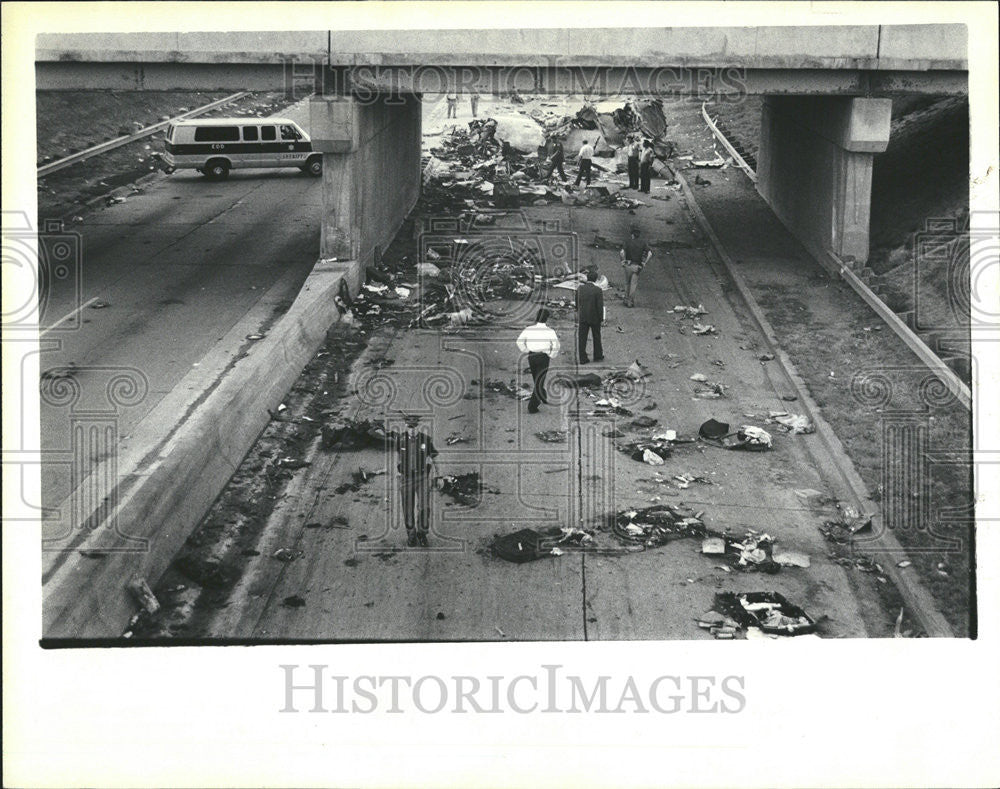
[
  {"x": 728, "y": 146},
  {"x": 917, "y": 599},
  {"x": 110, "y": 145},
  {"x": 931, "y": 360}
]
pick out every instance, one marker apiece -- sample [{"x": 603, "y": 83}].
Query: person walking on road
[
  {"x": 416, "y": 469},
  {"x": 645, "y": 166},
  {"x": 589, "y": 316},
  {"x": 452, "y": 104},
  {"x": 542, "y": 345},
  {"x": 635, "y": 254},
  {"x": 474, "y": 101},
  {"x": 557, "y": 158},
  {"x": 586, "y": 155},
  {"x": 633, "y": 163}
]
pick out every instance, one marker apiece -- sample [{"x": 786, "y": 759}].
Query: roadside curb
[
  {"x": 121, "y": 191},
  {"x": 171, "y": 489},
  {"x": 917, "y": 599}
]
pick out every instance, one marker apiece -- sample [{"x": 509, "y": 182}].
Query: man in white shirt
[
  {"x": 586, "y": 154},
  {"x": 541, "y": 344}
]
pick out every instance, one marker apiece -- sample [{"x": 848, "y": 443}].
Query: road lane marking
[{"x": 65, "y": 318}]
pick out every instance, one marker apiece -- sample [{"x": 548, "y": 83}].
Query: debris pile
[
  {"x": 358, "y": 479},
  {"x": 466, "y": 489},
  {"x": 791, "y": 423},
  {"x": 748, "y": 437},
  {"x": 527, "y": 545},
  {"x": 352, "y": 434},
  {"x": 510, "y": 154},
  {"x": 756, "y": 613},
  {"x": 654, "y": 526}
]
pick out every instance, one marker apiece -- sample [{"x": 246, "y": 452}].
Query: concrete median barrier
[{"x": 162, "y": 490}]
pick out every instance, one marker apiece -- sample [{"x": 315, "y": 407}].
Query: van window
[
  {"x": 170, "y": 132},
  {"x": 267, "y": 133},
  {"x": 217, "y": 134},
  {"x": 250, "y": 134},
  {"x": 289, "y": 133}
]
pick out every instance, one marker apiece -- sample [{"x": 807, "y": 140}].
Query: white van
[{"x": 214, "y": 146}]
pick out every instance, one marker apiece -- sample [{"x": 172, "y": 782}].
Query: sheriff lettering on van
[{"x": 215, "y": 146}]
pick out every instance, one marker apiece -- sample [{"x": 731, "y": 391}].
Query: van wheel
[
  {"x": 314, "y": 166},
  {"x": 217, "y": 170}
]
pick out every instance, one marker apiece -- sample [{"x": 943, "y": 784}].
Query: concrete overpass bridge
[{"x": 827, "y": 114}]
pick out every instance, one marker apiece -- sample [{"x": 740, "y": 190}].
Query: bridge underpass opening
[{"x": 814, "y": 168}]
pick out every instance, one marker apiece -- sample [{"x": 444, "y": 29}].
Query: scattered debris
[
  {"x": 651, "y": 451},
  {"x": 142, "y": 594},
  {"x": 519, "y": 547},
  {"x": 792, "y": 423},
  {"x": 654, "y": 526},
  {"x": 713, "y": 546},
  {"x": 358, "y": 479},
  {"x": 790, "y": 559},
  {"x": 748, "y": 437},
  {"x": 353, "y": 434},
  {"x": 466, "y": 489},
  {"x": 552, "y": 436},
  {"x": 768, "y": 611},
  {"x": 292, "y": 463}
]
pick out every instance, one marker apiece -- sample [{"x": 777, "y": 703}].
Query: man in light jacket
[
  {"x": 542, "y": 345},
  {"x": 586, "y": 155}
]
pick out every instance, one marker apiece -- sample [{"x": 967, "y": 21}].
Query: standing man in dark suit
[
  {"x": 557, "y": 158},
  {"x": 645, "y": 166},
  {"x": 590, "y": 316},
  {"x": 416, "y": 468},
  {"x": 633, "y": 163}
]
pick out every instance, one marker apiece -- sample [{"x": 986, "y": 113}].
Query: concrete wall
[
  {"x": 165, "y": 76},
  {"x": 814, "y": 168},
  {"x": 176, "y": 483},
  {"x": 371, "y": 171},
  {"x": 912, "y": 47}
]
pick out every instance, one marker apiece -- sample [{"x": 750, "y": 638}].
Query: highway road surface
[{"x": 160, "y": 280}]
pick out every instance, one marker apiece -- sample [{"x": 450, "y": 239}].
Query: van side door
[
  {"x": 270, "y": 147},
  {"x": 252, "y": 149}
]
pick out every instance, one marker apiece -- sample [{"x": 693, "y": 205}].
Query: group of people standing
[
  {"x": 541, "y": 343},
  {"x": 640, "y": 163},
  {"x": 452, "y": 99}
]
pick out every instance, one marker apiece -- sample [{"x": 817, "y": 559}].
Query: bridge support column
[
  {"x": 814, "y": 168},
  {"x": 371, "y": 170}
]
